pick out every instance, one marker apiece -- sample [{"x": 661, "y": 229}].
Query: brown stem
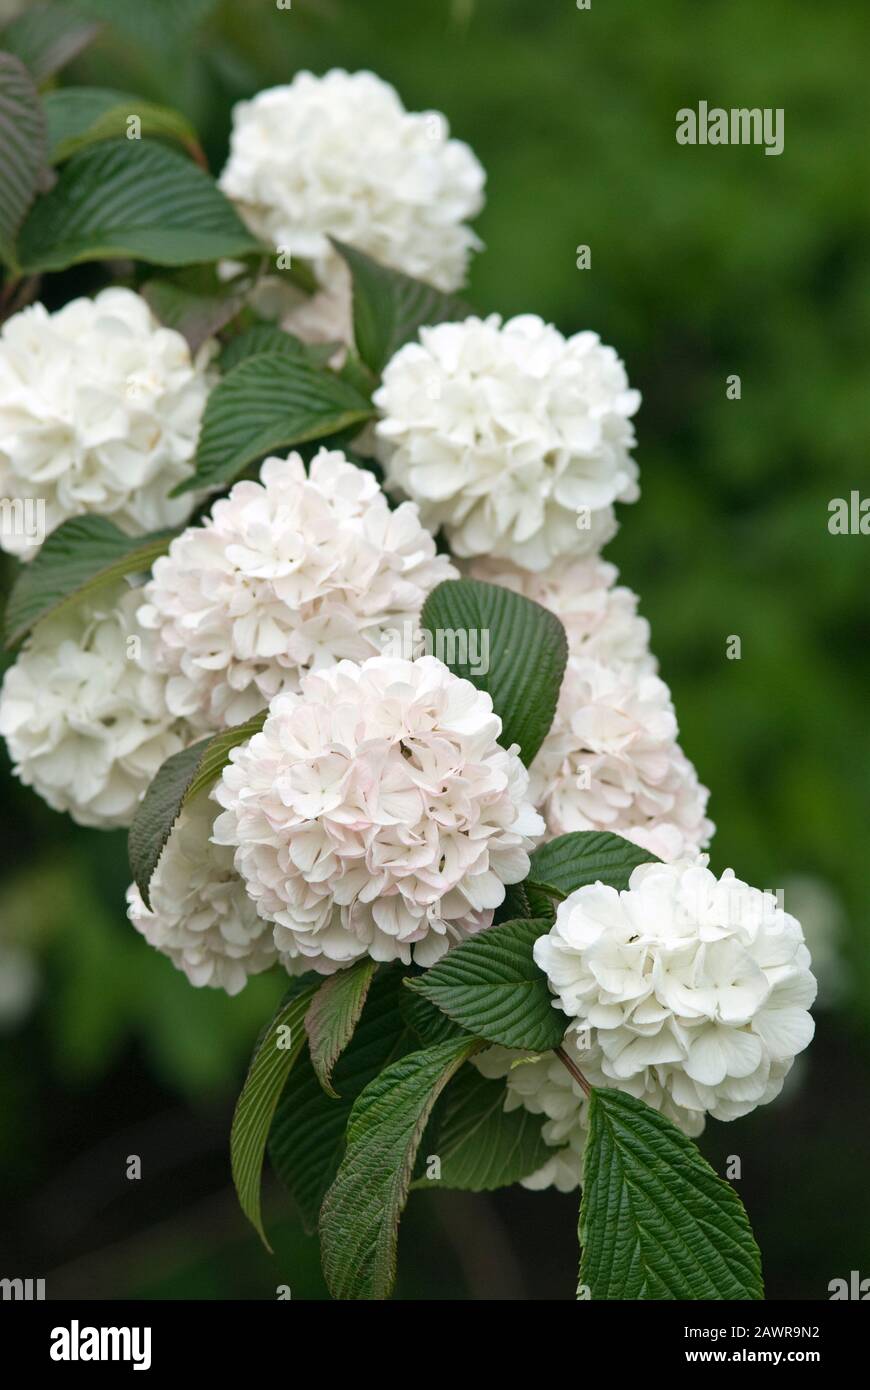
[
  {"x": 16, "y": 294},
  {"x": 197, "y": 153},
  {"x": 574, "y": 1070},
  {"x": 8, "y": 290}
]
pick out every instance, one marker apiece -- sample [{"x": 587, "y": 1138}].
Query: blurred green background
[{"x": 705, "y": 262}]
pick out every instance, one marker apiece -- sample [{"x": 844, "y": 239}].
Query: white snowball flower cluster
[
  {"x": 513, "y": 438},
  {"x": 376, "y": 813},
  {"x": 339, "y": 156},
  {"x": 688, "y": 992},
  {"x": 703, "y": 982},
  {"x": 544, "y": 1086},
  {"x": 294, "y": 572},
  {"x": 100, "y": 409},
  {"x": 84, "y": 714},
  {"x": 611, "y": 760},
  {"x": 201, "y": 916}
]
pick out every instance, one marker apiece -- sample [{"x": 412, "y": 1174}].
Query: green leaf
[
  {"x": 389, "y": 307},
  {"x": 334, "y": 1014},
  {"x": 306, "y": 1143},
  {"x": 82, "y": 556},
  {"x": 479, "y": 1145},
  {"x": 429, "y": 1025},
  {"x": 491, "y": 986},
  {"x": 80, "y": 116},
  {"x": 360, "y": 1216},
  {"x": 131, "y": 198},
  {"x": 524, "y": 899},
  {"x": 268, "y": 402},
  {"x": 217, "y": 754},
  {"x": 356, "y": 373},
  {"x": 516, "y": 904},
  {"x": 194, "y": 303},
  {"x": 45, "y": 37},
  {"x": 158, "y": 811},
  {"x": 265, "y": 337},
  {"x": 165, "y": 27},
  {"x": 22, "y": 150},
  {"x": 181, "y": 777},
  {"x": 655, "y": 1221},
  {"x": 270, "y": 1066},
  {"x": 586, "y": 856},
  {"x": 540, "y": 903},
  {"x": 525, "y": 658}
]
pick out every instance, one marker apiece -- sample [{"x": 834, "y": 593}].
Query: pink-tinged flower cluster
[
  {"x": 200, "y": 915},
  {"x": 611, "y": 760},
  {"x": 377, "y": 814},
  {"x": 291, "y": 573}
]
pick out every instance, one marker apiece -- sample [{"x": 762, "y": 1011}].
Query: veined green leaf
[
  {"x": 521, "y": 649},
  {"x": 428, "y": 1024},
  {"x": 360, "y": 1216},
  {"x": 334, "y": 1013},
  {"x": 266, "y": 337},
  {"x": 131, "y": 198},
  {"x": 480, "y": 1147},
  {"x": 273, "y": 1059},
  {"x": 83, "y": 555},
  {"x": 585, "y": 856},
  {"x": 491, "y": 986},
  {"x": 306, "y": 1142},
  {"x": 389, "y": 307},
  {"x": 655, "y": 1220},
  {"x": 80, "y": 116},
  {"x": 179, "y": 780},
  {"x": 45, "y": 37},
  {"x": 161, "y": 26},
  {"x": 22, "y": 150},
  {"x": 253, "y": 342},
  {"x": 271, "y": 401},
  {"x": 524, "y": 899}
]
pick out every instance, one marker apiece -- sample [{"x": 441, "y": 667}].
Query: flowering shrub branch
[{"x": 280, "y": 445}]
